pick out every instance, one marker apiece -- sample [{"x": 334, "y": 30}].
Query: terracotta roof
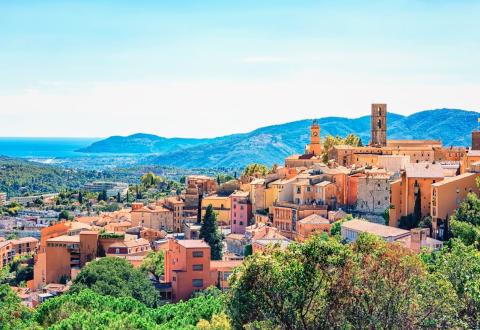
[
  {"x": 235, "y": 236},
  {"x": 65, "y": 239},
  {"x": 424, "y": 170},
  {"x": 215, "y": 264},
  {"x": 453, "y": 179},
  {"x": 314, "y": 219},
  {"x": 23, "y": 240},
  {"x": 473, "y": 153},
  {"x": 193, "y": 243},
  {"x": 365, "y": 226}
]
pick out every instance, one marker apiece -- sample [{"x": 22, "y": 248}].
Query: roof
[
  {"x": 65, "y": 239},
  {"x": 240, "y": 193},
  {"x": 216, "y": 196},
  {"x": 453, "y": 179},
  {"x": 215, "y": 264},
  {"x": 193, "y": 244},
  {"x": 120, "y": 224},
  {"x": 23, "y": 240},
  {"x": 314, "y": 219},
  {"x": 323, "y": 183},
  {"x": 235, "y": 236},
  {"x": 365, "y": 226},
  {"x": 152, "y": 209},
  {"x": 424, "y": 170},
  {"x": 273, "y": 241},
  {"x": 473, "y": 153}
]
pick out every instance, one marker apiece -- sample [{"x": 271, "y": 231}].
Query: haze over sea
[{"x": 43, "y": 149}]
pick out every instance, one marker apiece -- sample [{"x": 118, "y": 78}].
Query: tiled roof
[
  {"x": 193, "y": 243},
  {"x": 374, "y": 228},
  {"x": 314, "y": 219},
  {"x": 424, "y": 170}
]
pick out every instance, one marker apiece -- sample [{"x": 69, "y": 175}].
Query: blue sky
[{"x": 208, "y": 68}]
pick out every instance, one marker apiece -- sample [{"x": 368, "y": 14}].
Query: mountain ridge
[{"x": 271, "y": 144}]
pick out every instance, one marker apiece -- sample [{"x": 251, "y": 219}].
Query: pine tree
[{"x": 209, "y": 232}]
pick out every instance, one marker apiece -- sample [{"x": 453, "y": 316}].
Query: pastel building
[
  {"x": 446, "y": 197},
  {"x": 154, "y": 216},
  {"x": 311, "y": 225},
  {"x": 188, "y": 268},
  {"x": 221, "y": 205},
  {"x": 240, "y": 212}
]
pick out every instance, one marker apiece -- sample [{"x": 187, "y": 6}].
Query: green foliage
[
  {"x": 210, "y": 233},
  {"x": 13, "y": 315},
  {"x": 336, "y": 229},
  {"x": 330, "y": 141},
  {"x": 65, "y": 215},
  {"x": 255, "y": 169},
  {"x": 154, "y": 263},
  {"x": 248, "y": 251},
  {"x": 116, "y": 277},
  {"x": 465, "y": 223},
  {"x": 323, "y": 284},
  {"x": 18, "y": 271},
  {"x": 90, "y": 310},
  {"x": 459, "y": 265}
]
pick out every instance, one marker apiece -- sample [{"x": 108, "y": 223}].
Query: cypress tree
[{"x": 209, "y": 232}]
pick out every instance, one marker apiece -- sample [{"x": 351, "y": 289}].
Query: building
[
  {"x": 379, "y": 125},
  {"x": 154, "y": 216},
  {"x": 176, "y": 205},
  {"x": 311, "y": 225},
  {"x": 313, "y": 151},
  {"x": 260, "y": 245},
  {"x": 416, "y": 239},
  {"x": 112, "y": 188},
  {"x": 188, "y": 268},
  {"x": 9, "y": 249},
  {"x": 221, "y": 205},
  {"x": 3, "y": 198},
  {"x": 373, "y": 193},
  {"x": 414, "y": 186},
  {"x": 286, "y": 215},
  {"x": 240, "y": 212},
  {"x": 446, "y": 196}
]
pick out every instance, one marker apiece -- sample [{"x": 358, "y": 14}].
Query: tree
[
  {"x": 116, "y": 277},
  {"x": 336, "y": 229},
  {"x": 218, "y": 322},
  {"x": 154, "y": 264},
  {"x": 13, "y": 315},
  {"x": 330, "y": 141},
  {"x": 255, "y": 169},
  {"x": 465, "y": 223},
  {"x": 209, "y": 232},
  {"x": 119, "y": 198},
  {"x": 80, "y": 197},
  {"x": 65, "y": 215},
  {"x": 323, "y": 284}
]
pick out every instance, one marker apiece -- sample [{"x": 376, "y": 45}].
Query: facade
[
  {"x": 16, "y": 247},
  {"x": 221, "y": 205},
  {"x": 176, "y": 205},
  {"x": 373, "y": 193},
  {"x": 415, "y": 240},
  {"x": 313, "y": 151},
  {"x": 240, "y": 212},
  {"x": 379, "y": 125},
  {"x": 188, "y": 268},
  {"x": 3, "y": 198},
  {"x": 415, "y": 185},
  {"x": 286, "y": 215},
  {"x": 446, "y": 197},
  {"x": 112, "y": 188},
  {"x": 311, "y": 225},
  {"x": 153, "y": 216}
]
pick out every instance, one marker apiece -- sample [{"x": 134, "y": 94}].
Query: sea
[{"x": 43, "y": 148}]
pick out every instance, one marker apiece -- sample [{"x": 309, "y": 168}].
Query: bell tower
[
  {"x": 315, "y": 146},
  {"x": 379, "y": 125}
]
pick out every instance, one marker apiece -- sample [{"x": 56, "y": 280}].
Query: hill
[{"x": 272, "y": 144}]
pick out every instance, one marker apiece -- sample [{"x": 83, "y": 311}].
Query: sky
[{"x": 203, "y": 68}]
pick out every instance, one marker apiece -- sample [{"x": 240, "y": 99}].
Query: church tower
[
  {"x": 315, "y": 146},
  {"x": 379, "y": 125}
]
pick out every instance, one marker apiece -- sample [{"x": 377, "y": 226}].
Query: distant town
[{"x": 405, "y": 193}]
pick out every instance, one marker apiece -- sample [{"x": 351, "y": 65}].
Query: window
[
  {"x": 241, "y": 223},
  {"x": 197, "y": 254},
  {"x": 197, "y": 283},
  {"x": 197, "y": 267}
]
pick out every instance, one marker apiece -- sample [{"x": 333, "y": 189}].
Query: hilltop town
[{"x": 402, "y": 194}]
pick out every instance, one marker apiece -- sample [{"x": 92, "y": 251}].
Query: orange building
[
  {"x": 176, "y": 205},
  {"x": 152, "y": 216},
  {"x": 313, "y": 151},
  {"x": 188, "y": 268},
  {"x": 286, "y": 216},
  {"x": 313, "y": 224},
  {"x": 416, "y": 181},
  {"x": 446, "y": 197}
]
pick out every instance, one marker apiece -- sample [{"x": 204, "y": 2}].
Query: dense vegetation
[{"x": 210, "y": 233}]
